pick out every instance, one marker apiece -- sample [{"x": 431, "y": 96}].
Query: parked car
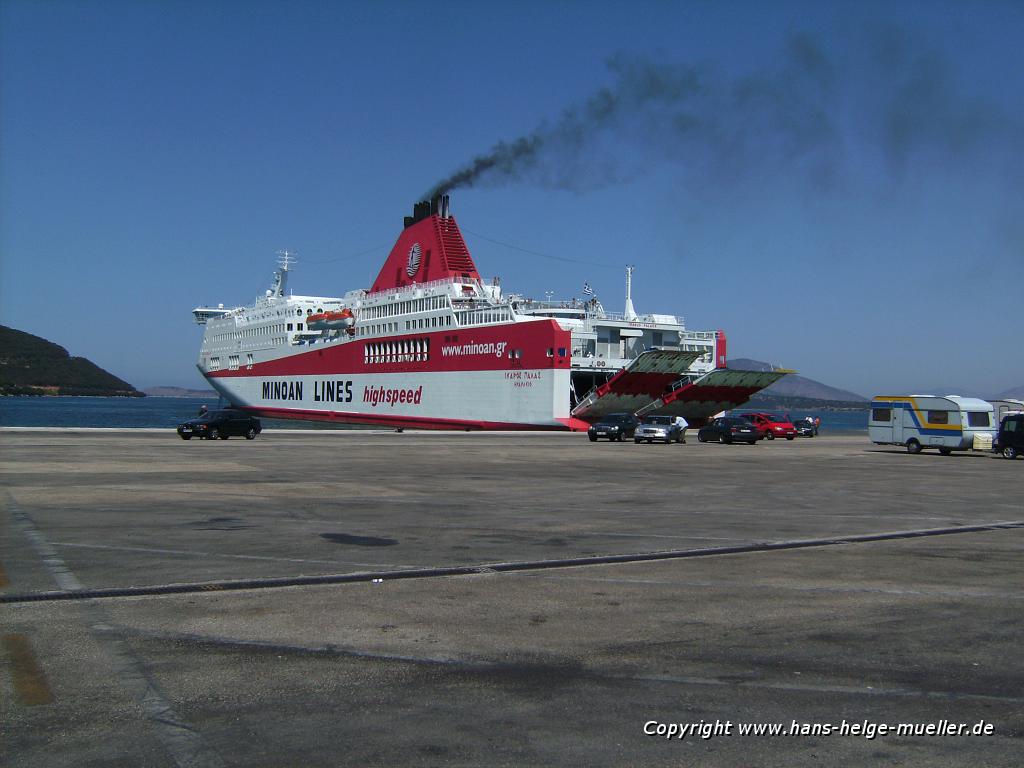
[
  {"x": 805, "y": 428},
  {"x": 221, "y": 424},
  {"x": 663, "y": 428},
  {"x": 729, "y": 429},
  {"x": 771, "y": 426},
  {"x": 1010, "y": 438},
  {"x": 614, "y": 426}
]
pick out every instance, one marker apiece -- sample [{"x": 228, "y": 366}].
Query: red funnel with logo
[{"x": 430, "y": 248}]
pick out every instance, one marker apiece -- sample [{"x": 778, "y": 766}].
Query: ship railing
[
  {"x": 656, "y": 319},
  {"x": 532, "y": 305},
  {"x": 443, "y": 281},
  {"x": 686, "y": 380}
]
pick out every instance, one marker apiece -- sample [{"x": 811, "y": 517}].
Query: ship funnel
[
  {"x": 430, "y": 248},
  {"x": 424, "y": 209}
]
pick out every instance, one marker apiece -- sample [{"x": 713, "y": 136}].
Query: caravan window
[
  {"x": 881, "y": 414},
  {"x": 938, "y": 417},
  {"x": 978, "y": 419}
]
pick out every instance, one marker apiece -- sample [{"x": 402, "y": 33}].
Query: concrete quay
[{"x": 375, "y": 598}]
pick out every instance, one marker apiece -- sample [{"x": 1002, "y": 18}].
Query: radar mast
[{"x": 285, "y": 260}]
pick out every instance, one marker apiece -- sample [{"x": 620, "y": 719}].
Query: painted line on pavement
[
  {"x": 487, "y": 568},
  {"x": 183, "y": 743}
]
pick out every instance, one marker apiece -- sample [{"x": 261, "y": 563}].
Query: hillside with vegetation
[{"x": 30, "y": 365}]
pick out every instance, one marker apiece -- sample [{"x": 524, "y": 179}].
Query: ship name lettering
[
  {"x": 332, "y": 391},
  {"x": 282, "y": 390}
]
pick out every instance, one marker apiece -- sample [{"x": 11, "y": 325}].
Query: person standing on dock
[{"x": 683, "y": 426}]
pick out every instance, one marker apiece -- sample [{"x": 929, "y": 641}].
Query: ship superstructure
[
  {"x": 604, "y": 342},
  {"x": 432, "y": 345}
]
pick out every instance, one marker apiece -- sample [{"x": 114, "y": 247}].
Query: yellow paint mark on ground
[{"x": 29, "y": 681}]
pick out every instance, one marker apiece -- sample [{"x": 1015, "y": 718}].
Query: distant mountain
[
  {"x": 794, "y": 388},
  {"x": 179, "y": 392},
  {"x": 1015, "y": 393},
  {"x": 795, "y": 385},
  {"x": 30, "y": 365}
]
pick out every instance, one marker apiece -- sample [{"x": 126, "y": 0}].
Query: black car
[
  {"x": 805, "y": 428},
  {"x": 1010, "y": 438},
  {"x": 223, "y": 424},
  {"x": 729, "y": 429},
  {"x": 614, "y": 426}
]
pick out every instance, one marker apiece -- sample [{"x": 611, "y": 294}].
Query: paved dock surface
[{"x": 286, "y": 601}]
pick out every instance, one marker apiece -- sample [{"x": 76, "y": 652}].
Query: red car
[{"x": 771, "y": 426}]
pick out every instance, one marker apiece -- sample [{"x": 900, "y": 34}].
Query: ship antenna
[
  {"x": 285, "y": 260},
  {"x": 630, "y": 313}
]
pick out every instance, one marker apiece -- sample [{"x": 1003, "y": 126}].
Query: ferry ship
[{"x": 432, "y": 345}]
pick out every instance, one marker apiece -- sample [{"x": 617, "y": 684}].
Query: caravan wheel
[{"x": 913, "y": 446}]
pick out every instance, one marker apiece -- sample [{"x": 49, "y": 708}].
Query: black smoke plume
[{"x": 795, "y": 115}]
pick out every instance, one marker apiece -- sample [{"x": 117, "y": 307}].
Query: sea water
[
  {"x": 168, "y": 412},
  {"x": 120, "y": 412}
]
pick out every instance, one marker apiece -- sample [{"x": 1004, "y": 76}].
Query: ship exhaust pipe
[{"x": 424, "y": 209}]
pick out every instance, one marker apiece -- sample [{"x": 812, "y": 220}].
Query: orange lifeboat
[{"x": 342, "y": 320}]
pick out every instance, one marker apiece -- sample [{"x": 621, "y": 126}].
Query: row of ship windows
[
  {"x": 233, "y": 363},
  {"x": 405, "y": 351},
  {"x": 480, "y": 316},
  {"x": 405, "y": 307},
  {"x": 423, "y": 322},
  {"x": 251, "y": 333},
  {"x": 428, "y": 322}
]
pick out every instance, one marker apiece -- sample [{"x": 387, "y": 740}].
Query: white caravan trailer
[
  {"x": 926, "y": 421},
  {"x": 1001, "y": 408}
]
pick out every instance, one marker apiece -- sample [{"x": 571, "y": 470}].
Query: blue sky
[{"x": 836, "y": 185}]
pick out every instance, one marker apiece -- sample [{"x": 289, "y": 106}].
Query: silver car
[{"x": 661, "y": 428}]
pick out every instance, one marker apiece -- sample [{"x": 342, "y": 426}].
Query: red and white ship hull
[{"x": 456, "y": 387}]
